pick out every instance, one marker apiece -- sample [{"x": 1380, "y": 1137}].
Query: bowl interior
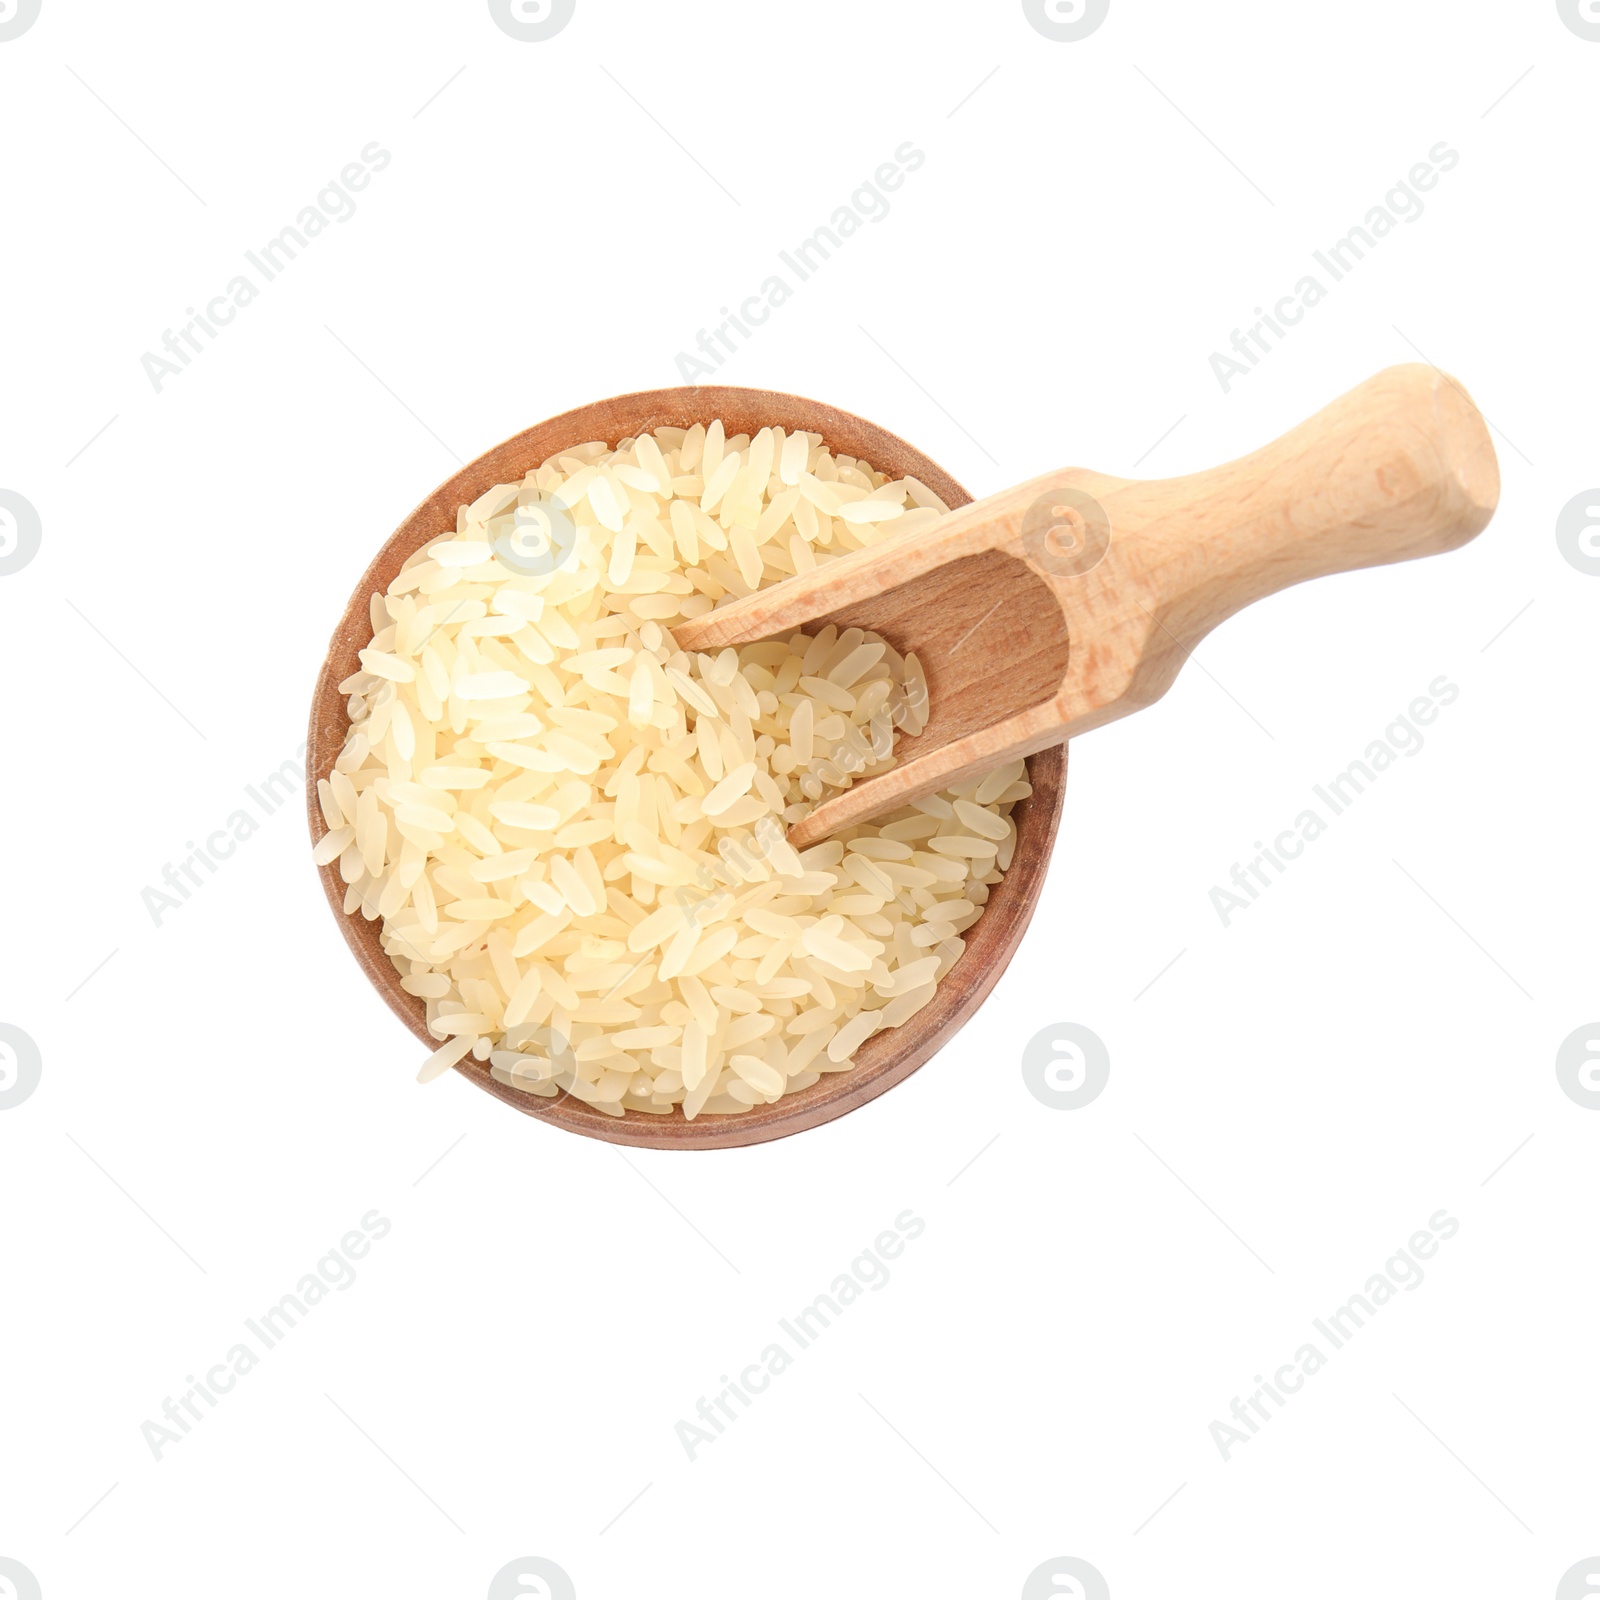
[{"x": 888, "y": 1056}]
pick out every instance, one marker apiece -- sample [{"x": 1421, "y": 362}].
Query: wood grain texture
[
  {"x": 1083, "y": 611},
  {"x": 889, "y": 1056}
]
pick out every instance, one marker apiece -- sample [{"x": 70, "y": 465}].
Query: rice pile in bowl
[{"x": 574, "y": 832}]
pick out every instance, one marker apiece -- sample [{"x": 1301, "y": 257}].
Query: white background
[{"x": 1290, "y": 1099}]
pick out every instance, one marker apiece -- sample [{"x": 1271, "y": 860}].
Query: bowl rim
[{"x": 891, "y": 1055}]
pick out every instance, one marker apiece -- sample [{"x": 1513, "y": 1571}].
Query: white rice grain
[{"x": 574, "y": 833}]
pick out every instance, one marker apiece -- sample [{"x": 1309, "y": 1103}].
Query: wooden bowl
[{"x": 887, "y": 1057}]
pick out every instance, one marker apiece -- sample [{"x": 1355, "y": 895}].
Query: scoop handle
[{"x": 1401, "y": 466}]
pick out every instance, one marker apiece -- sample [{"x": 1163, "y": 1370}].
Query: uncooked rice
[{"x": 574, "y": 832}]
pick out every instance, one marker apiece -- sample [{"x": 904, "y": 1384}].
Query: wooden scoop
[{"x": 1071, "y": 600}]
